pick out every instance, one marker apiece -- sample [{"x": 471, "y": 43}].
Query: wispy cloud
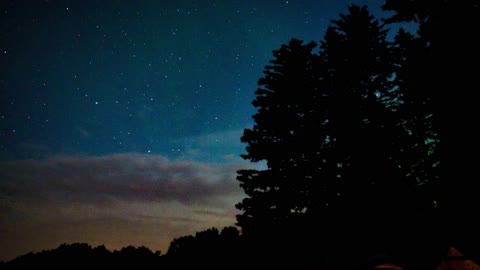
[
  {"x": 116, "y": 200},
  {"x": 222, "y": 146},
  {"x": 129, "y": 177}
]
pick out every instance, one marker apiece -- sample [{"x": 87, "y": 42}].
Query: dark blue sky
[
  {"x": 100, "y": 77},
  {"x": 120, "y": 121}
]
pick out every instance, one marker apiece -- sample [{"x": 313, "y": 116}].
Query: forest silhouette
[{"x": 365, "y": 141}]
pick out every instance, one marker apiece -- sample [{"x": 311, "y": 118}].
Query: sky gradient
[{"x": 120, "y": 121}]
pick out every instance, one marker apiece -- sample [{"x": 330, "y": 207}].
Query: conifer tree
[
  {"x": 284, "y": 101},
  {"x": 436, "y": 76}
]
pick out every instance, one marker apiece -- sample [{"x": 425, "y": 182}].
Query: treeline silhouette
[
  {"x": 207, "y": 249},
  {"x": 364, "y": 140},
  {"x": 82, "y": 255}
]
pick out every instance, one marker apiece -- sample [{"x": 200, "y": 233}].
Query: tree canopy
[{"x": 350, "y": 136}]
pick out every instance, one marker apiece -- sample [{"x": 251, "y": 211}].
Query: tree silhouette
[
  {"x": 283, "y": 112},
  {"x": 83, "y": 256},
  {"x": 438, "y": 72},
  {"x": 132, "y": 257},
  {"x": 182, "y": 246},
  {"x": 341, "y": 145},
  {"x": 361, "y": 179},
  {"x": 208, "y": 248}
]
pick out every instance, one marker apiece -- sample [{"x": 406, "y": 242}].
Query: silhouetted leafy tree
[
  {"x": 83, "y": 256},
  {"x": 132, "y": 257},
  {"x": 337, "y": 148},
  {"x": 229, "y": 233},
  {"x": 182, "y": 246},
  {"x": 438, "y": 70},
  {"x": 207, "y": 249}
]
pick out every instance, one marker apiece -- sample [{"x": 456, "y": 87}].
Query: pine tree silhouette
[{"x": 341, "y": 145}]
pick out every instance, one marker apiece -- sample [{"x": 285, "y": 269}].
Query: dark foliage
[
  {"x": 207, "y": 249},
  {"x": 337, "y": 149},
  {"x": 83, "y": 256},
  {"x": 358, "y": 140},
  {"x": 438, "y": 74}
]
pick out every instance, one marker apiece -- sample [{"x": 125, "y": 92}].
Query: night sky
[{"x": 120, "y": 121}]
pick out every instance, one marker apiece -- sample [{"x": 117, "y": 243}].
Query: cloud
[
  {"x": 222, "y": 146},
  {"x": 116, "y": 200},
  {"x": 124, "y": 177}
]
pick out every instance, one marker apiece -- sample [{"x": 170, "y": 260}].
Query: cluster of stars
[{"x": 162, "y": 71}]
